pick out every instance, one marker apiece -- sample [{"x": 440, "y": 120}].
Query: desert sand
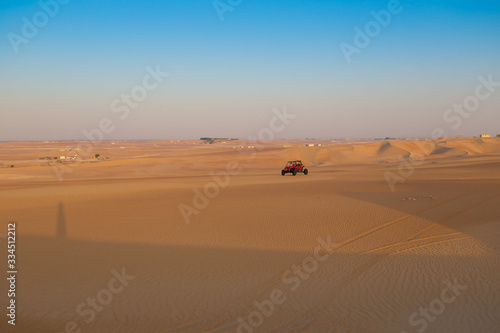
[{"x": 381, "y": 236}]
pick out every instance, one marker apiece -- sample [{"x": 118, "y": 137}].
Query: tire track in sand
[
  {"x": 262, "y": 290},
  {"x": 370, "y": 263}
]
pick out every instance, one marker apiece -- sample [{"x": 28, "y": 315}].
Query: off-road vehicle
[{"x": 293, "y": 167}]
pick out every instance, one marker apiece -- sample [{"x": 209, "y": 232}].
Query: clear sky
[{"x": 226, "y": 76}]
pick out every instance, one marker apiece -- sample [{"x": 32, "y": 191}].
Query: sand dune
[{"x": 343, "y": 252}]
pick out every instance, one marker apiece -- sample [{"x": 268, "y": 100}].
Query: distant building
[
  {"x": 69, "y": 157},
  {"x": 309, "y": 145},
  {"x": 318, "y": 145},
  {"x": 484, "y": 136}
]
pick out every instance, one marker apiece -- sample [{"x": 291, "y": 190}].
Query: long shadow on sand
[
  {"x": 189, "y": 289},
  {"x": 185, "y": 289}
]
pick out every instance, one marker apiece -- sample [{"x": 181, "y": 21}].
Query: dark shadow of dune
[{"x": 440, "y": 150}]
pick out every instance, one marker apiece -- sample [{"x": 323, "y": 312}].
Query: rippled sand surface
[{"x": 183, "y": 237}]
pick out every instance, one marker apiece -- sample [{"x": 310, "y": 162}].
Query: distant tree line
[{"x": 213, "y": 140}]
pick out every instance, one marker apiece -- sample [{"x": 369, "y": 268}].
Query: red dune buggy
[{"x": 293, "y": 167}]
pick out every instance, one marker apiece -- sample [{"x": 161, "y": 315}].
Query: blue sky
[{"x": 225, "y": 77}]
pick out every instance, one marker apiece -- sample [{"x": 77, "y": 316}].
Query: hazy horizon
[
  {"x": 226, "y": 76},
  {"x": 259, "y": 140}
]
